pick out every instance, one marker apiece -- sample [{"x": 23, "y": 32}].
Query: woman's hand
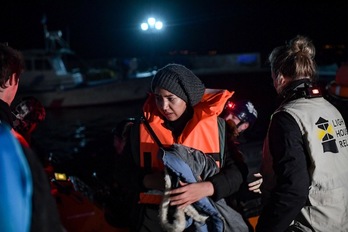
[
  {"x": 255, "y": 185},
  {"x": 190, "y": 193}
]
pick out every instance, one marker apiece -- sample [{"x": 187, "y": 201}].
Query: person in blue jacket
[
  {"x": 16, "y": 186},
  {"x": 45, "y": 215}
]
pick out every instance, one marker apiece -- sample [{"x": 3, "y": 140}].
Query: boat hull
[{"x": 93, "y": 94}]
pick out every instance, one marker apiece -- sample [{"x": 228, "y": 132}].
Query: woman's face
[{"x": 169, "y": 105}]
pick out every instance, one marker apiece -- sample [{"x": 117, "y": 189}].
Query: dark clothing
[
  {"x": 196, "y": 129},
  {"x": 123, "y": 191},
  {"x": 226, "y": 182},
  {"x": 285, "y": 136},
  {"x": 285, "y": 142},
  {"x": 247, "y": 203},
  {"x": 230, "y": 177},
  {"x": 45, "y": 217},
  {"x": 6, "y": 114}
]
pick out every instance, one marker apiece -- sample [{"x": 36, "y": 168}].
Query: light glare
[
  {"x": 159, "y": 25},
  {"x": 151, "y": 21},
  {"x": 152, "y": 25},
  {"x": 144, "y": 26}
]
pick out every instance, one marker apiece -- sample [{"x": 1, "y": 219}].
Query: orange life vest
[
  {"x": 338, "y": 90},
  {"x": 339, "y": 87},
  {"x": 201, "y": 132}
]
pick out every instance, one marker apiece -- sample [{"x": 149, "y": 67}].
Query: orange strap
[
  {"x": 150, "y": 198},
  {"x": 253, "y": 221}
]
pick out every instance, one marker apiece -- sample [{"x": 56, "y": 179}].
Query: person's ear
[
  {"x": 281, "y": 80},
  {"x": 280, "y": 83}
]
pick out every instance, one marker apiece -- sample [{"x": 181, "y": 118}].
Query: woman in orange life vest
[{"x": 181, "y": 110}]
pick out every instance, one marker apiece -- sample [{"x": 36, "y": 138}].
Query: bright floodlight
[
  {"x": 159, "y": 25},
  {"x": 144, "y": 26},
  {"x": 152, "y": 25},
  {"x": 151, "y": 21}
]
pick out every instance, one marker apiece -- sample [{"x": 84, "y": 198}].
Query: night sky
[{"x": 111, "y": 28}]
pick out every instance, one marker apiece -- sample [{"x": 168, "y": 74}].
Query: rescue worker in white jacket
[{"x": 305, "y": 156}]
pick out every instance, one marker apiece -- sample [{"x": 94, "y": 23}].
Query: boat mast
[{"x": 53, "y": 39}]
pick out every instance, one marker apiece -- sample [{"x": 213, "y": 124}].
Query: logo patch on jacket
[{"x": 327, "y": 132}]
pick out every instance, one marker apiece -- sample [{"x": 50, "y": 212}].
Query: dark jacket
[
  {"x": 284, "y": 126},
  {"x": 284, "y": 138},
  {"x": 226, "y": 182}
]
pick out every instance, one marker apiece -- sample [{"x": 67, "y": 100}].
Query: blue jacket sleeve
[{"x": 16, "y": 186}]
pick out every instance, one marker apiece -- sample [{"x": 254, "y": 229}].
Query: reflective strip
[
  {"x": 338, "y": 90},
  {"x": 150, "y": 198}
]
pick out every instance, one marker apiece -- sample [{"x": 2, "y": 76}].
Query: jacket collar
[
  {"x": 290, "y": 91},
  {"x": 6, "y": 114}
]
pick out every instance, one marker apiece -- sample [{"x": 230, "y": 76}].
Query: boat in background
[
  {"x": 92, "y": 94},
  {"x": 57, "y": 78}
]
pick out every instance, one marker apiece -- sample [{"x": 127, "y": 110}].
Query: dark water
[{"x": 71, "y": 131}]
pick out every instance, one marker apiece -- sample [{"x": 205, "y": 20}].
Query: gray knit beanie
[{"x": 180, "y": 81}]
